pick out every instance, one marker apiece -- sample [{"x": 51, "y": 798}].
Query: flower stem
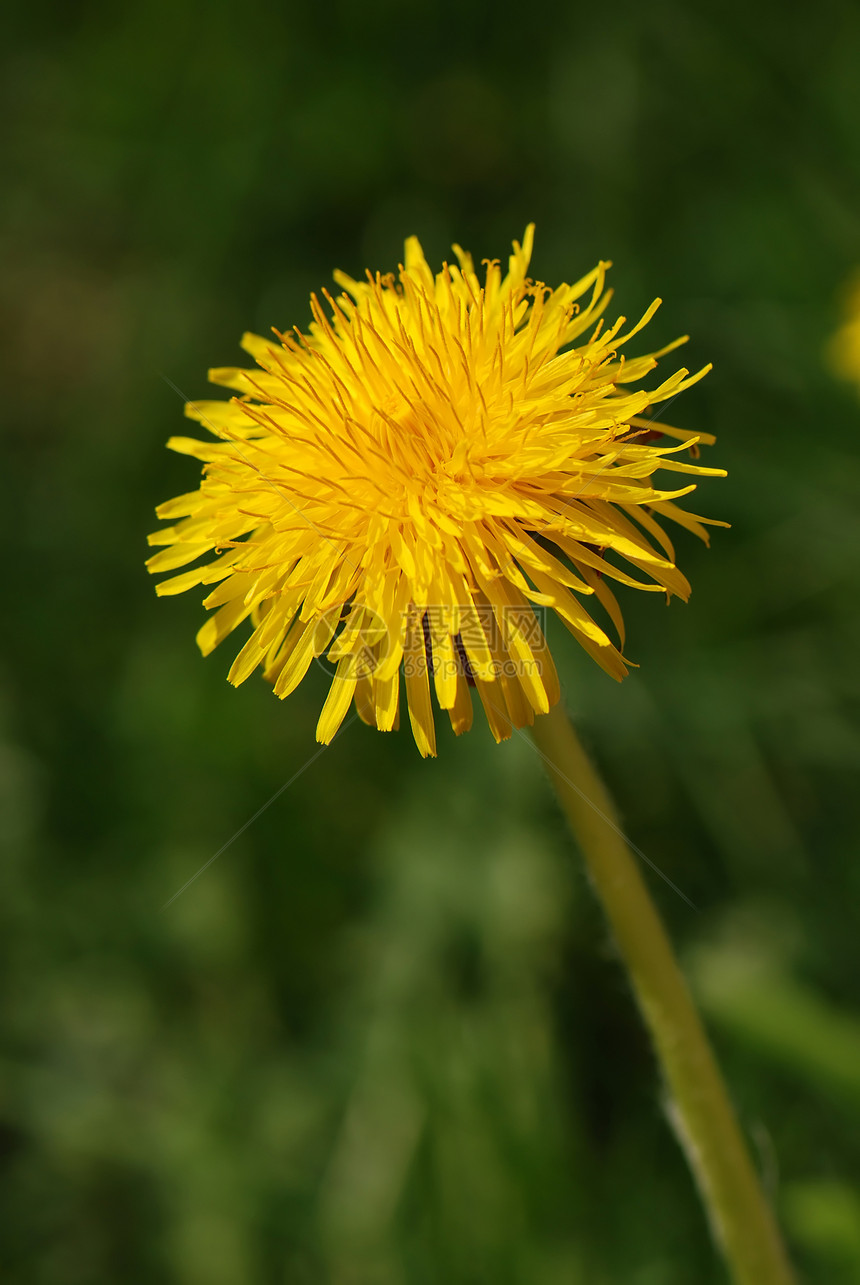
[{"x": 700, "y": 1107}]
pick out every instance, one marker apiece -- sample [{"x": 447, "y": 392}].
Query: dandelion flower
[
  {"x": 844, "y": 349},
  {"x": 417, "y": 480}
]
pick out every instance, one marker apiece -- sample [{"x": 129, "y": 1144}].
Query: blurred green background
[{"x": 384, "y": 1039}]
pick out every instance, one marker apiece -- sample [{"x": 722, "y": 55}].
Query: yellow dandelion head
[
  {"x": 415, "y": 482},
  {"x": 844, "y": 348}
]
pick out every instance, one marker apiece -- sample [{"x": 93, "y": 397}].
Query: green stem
[{"x": 701, "y": 1110}]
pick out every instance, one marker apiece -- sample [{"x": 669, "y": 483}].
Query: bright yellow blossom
[
  {"x": 845, "y": 344},
  {"x": 399, "y": 488}
]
